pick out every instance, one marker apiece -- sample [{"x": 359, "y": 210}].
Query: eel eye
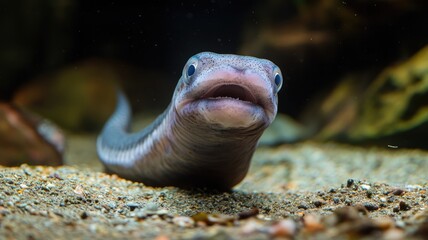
[
  {"x": 278, "y": 80},
  {"x": 191, "y": 69}
]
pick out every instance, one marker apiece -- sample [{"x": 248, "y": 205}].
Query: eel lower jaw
[{"x": 228, "y": 106}]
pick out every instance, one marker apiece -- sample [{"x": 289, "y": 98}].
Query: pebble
[
  {"x": 78, "y": 190},
  {"x": 312, "y": 223},
  {"x": 349, "y": 183},
  {"x": 391, "y": 199},
  {"x": 248, "y": 214},
  {"x": 284, "y": 228},
  {"x": 84, "y": 215},
  {"x": 371, "y": 206},
  {"x": 27, "y": 172},
  {"x": 21, "y": 205},
  {"x": 8, "y": 180},
  {"x": 183, "y": 221},
  {"x": 348, "y": 201},
  {"x": 221, "y": 219},
  {"x": 112, "y": 205},
  {"x": 132, "y": 205},
  {"x": 394, "y": 234},
  {"x": 151, "y": 207},
  {"x": 303, "y": 206},
  {"x": 404, "y": 206},
  {"x": 4, "y": 211},
  {"x": 384, "y": 223},
  {"x": 398, "y": 192},
  {"x": 251, "y": 227},
  {"x": 319, "y": 203}
]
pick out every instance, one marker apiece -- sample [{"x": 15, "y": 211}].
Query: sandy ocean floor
[{"x": 302, "y": 191}]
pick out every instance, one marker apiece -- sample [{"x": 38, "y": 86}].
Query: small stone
[
  {"x": 365, "y": 186},
  {"x": 371, "y": 206},
  {"x": 394, "y": 233},
  {"x": 349, "y": 183},
  {"x": 384, "y": 223},
  {"x": 4, "y": 211},
  {"x": 27, "y": 172},
  {"x": 111, "y": 205},
  {"x": 220, "y": 219},
  {"x": 56, "y": 175},
  {"x": 404, "y": 206},
  {"x": 348, "y": 201},
  {"x": 312, "y": 223},
  {"x": 336, "y": 200},
  {"x": 183, "y": 221},
  {"x": 44, "y": 213},
  {"x": 78, "y": 190},
  {"x": 303, "y": 206},
  {"x": 132, "y": 205},
  {"x": 8, "y": 180},
  {"x": 284, "y": 228},
  {"x": 249, "y": 213},
  {"x": 398, "y": 192},
  {"x": 151, "y": 207},
  {"x": 391, "y": 199},
  {"x": 251, "y": 227},
  {"x": 318, "y": 203},
  {"x": 84, "y": 215},
  {"x": 21, "y": 205},
  {"x": 162, "y": 237}
]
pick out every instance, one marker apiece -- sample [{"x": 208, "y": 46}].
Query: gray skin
[{"x": 207, "y": 135}]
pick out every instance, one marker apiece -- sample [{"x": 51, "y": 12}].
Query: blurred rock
[
  {"x": 393, "y": 109},
  {"x": 82, "y": 96},
  {"x": 316, "y": 43},
  {"x": 396, "y": 101},
  {"x": 355, "y": 223},
  {"x": 27, "y": 138},
  {"x": 336, "y": 111},
  {"x": 283, "y": 130}
]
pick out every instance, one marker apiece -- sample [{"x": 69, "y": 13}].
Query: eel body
[{"x": 207, "y": 135}]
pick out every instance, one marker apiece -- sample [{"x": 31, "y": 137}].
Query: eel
[{"x": 207, "y": 135}]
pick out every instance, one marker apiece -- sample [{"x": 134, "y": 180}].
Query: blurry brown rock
[
  {"x": 79, "y": 97},
  {"x": 392, "y": 109},
  {"x": 316, "y": 43},
  {"x": 396, "y": 101},
  {"x": 27, "y": 138}
]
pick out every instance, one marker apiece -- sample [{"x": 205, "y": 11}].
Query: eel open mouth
[{"x": 231, "y": 91}]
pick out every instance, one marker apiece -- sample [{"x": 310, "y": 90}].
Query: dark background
[{"x": 39, "y": 37}]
